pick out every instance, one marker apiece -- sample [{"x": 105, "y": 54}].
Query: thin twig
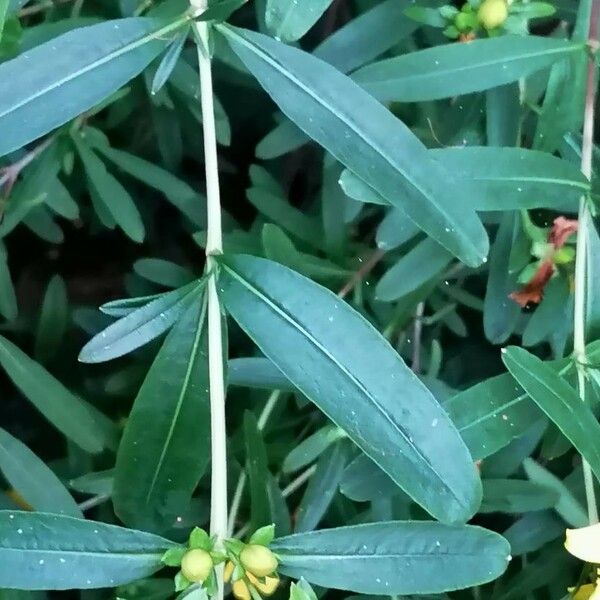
[
  {"x": 417, "y": 334},
  {"x": 359, "y": 275},
  {"x": 93, "y": 502},
  {"x": 10, "y": 173}
]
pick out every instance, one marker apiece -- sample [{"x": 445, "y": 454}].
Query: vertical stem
[
  {"x": 579, "y": 315},
  {"x": 214, "y": 245}
]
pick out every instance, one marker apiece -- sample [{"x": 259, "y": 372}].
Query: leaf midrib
[
  {"x": 275, "y": 64},
  {"x": 560, "y": 402},
  {"x": 93, "y": 65},
  {"x": 182, "y": 393},
  {"x": 566, "y": 49},
  {"x": 349, "y": 375}
]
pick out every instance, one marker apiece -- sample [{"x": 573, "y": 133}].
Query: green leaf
[
  {"x": 366, "y": 138},
  {"x": 454, "y": 69},
  {"x": 72, "y": 74},
  {"x": 490, "y": 414},
  {"x": 158, "y": 467},
  {"x": 502, "y": 179},
  {"x": 125, "y": 306},
  {"x": 515, "y": 496},
  {"x": 309, "y": 449},
  {"x": 289, "y": 20},
  {"x": 503, "y": 115},
  {"x": 395, "y": 230},
  {"x": 424, "y": 262},
  {"x": 533, "y": 530},
  {"x": 395, "y": 557},
  {"x": 8, "y": 297},
  {"x": 96, "y": 483},
  {"x": 375, "y": 402},
  {"x": 221, "y": 10},
  {"x": 564, "y": 99},
  {"x": 168, "y": 61},
  {"x": 558, "y": 400},
  {"x": 501, "y": 313},
  {"x": 163, "y": 272},
  {"x": 364, "y": 481},
  {"x": 258, "y": 473},
  {"x": 53, "y": 320},
  {"x": 77, "y": 420},
  {"x": 114, "y": 198},
  {"x": 302, "y": 591},
  {"x": 322, "y": 487},
  {"x": 258, "y": 373},
  {"x": 367, "y": 36},
  {"x": 60, "y": 201},
  {"x": 568, "y": 507},
  {"x": 33, "y": 480},
  {"x": 4, "y": 6},
  {"x": 177, "y": 192},
  {"x": 140, "y": 326},
  {"x": 42, "y": 551},
  {"x": 286, "y": 216},
  {"x": 263, "y": 536}
]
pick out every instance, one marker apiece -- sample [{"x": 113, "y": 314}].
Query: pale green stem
[
  {"x": 241, "y": 483},
  {"x": 214, "y": 246},
  {"x": 579, "y": 315}
]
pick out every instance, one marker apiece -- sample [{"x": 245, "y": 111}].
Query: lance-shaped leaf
[
  {"x": 73, "y": 73},
  {"x": 397, "y": 557},
  {"x": 289, "y": 20},
  {"x": 365, "y": 137},
  {"x": 75, "y": 418},
  {"x": 558, "y": 400},
  {"x": 166, "y": 443},
  {"x": 32, "y": 479},
  {"x": 41, "y": 551},
  {"x": 363, "y": 386},
  {"x": 140, "y": 326},
  {"x": 503, "y": 179},
  {"x": 454, "y": 69}
]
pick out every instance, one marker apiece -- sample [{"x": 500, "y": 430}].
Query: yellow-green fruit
[
  {"x": 259, "y": 560},
  {"x": 196, "y": 565},
  {"x": 492, "y": 13},
  {"x": 240, "y": 590}
]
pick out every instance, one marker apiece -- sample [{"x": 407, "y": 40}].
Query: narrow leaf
[
  {"x": 42, "y": 551},
  {"x": 139, "y": 327},
  {"x": 454, "y": 69},
  {"x": 33, "y": 480},
  {"x": 558, "y": 400},
  {"x": 77, "y": 420},
  {"x": 72, "y": 75},
  {"x": 303, "y": 329},
  {"x": 397, "y": 557},
  {"x": 365, "y": 137},
  {"x": 289, "y": 20},
  {"x": 159, "y": 467}
]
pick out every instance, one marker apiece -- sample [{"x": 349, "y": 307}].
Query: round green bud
[
  {"x": 196, "y": 565},
  {"x": 492, "y": 13},
  {"x": 258, "y": 560},
  {"x": 462, "y": 21}
]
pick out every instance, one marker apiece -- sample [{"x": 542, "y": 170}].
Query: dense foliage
[{"x": 371, "y": 225}]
